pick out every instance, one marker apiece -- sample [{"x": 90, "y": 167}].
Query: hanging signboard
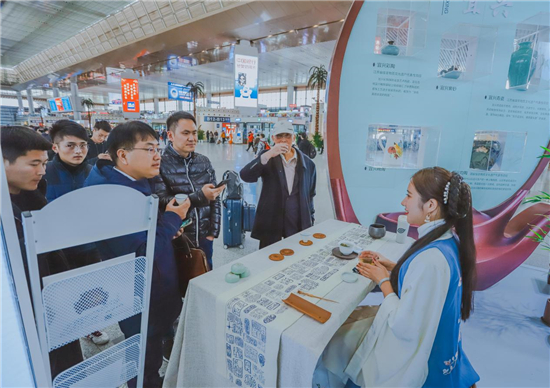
[
  {"x": 130, "y": 95},
  {"x": 179, "y": 92},
  {"x": 60, "y": 104},
  {"x": 246, "y": 81}
]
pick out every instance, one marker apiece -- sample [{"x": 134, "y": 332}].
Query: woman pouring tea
[{"x": 414, "y": 340}]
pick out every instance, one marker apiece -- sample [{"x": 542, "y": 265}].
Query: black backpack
[{"x": 234, "y": 188}]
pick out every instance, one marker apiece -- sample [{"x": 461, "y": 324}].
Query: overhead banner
[
  {"x": 130, "y": 95},
  {"x": 246, "y": 81},
  {"x": 60, "y": 104},
  {"x": 179, "y": 92}
]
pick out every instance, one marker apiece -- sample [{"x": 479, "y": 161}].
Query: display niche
[
  {"x": 467, "y": 51},
  {"x": 400, "y": 146},
  {"x": 498, "y": 151},
  {"x": 530, "y": 62},
  {"x": 401, "y": 32}
]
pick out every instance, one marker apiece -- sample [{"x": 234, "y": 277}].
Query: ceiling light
[
  {"x": 291, "y": 31},
  {"x": 315, "y": 26},
  {"x": 342, "y": 20},
  {"x": 269, "y": 36}
]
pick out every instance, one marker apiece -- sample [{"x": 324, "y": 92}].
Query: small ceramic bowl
[
  {"x": 377, "y": 230},
  {"x": 346, "y": 247}
]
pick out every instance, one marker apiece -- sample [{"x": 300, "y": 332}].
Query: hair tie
[{"x": 446, "y": 193}]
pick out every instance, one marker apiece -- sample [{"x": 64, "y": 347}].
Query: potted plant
[
  {"x": 539, "y": 234},
  {"x": 196, "y": 90},
  {"x": 317, "y": 80},
  {"x": 200, "y": 134},
  {"x": 318, "y": 142}
]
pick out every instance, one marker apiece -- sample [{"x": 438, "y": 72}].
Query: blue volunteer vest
[{"x": 448, "y": 365}]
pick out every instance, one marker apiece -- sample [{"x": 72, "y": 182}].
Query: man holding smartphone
[
  {"x": 289, "y": 178},
  {"x": 187, "y": 172}
]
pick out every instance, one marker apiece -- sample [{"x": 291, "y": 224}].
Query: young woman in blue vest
[{"x": 413, "y": 339}]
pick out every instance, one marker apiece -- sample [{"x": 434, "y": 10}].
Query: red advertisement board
[{"x": 130, "y": 95}]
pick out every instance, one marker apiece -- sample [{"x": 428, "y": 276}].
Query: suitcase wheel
[
  {"x": 241, "y": 246},
  {"x": 225, "y": 247}
]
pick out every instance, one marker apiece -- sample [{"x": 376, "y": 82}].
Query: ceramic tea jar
[
  {"x": 522, "y": 66},
  {"x": 390, "y": 49}
]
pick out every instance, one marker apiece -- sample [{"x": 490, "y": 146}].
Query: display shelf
[
  {"x": 401, "y": 32},
  {"x": 110, "y": 368},
  {"x": 498, "y": 151},
  {"x": 530, "y": 62},
  {"x": 399, "y": 146},
  {"x": 467, "y": 51},
  {"x": 87, "y": 299}
]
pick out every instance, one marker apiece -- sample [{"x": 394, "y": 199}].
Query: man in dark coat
[
  {"x": 25, "y": 156},
  {"x": 135, "y": 152},
  {"x": 289, "y": 178},
  {"x": 67, "y": 171},
  {"x": 187, "y": 172},
  {"x": 96, "y": 144}
]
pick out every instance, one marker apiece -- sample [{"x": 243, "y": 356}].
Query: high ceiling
[
  {"x": 29, "y": 27},
  {"x": 276, "y": 69}
]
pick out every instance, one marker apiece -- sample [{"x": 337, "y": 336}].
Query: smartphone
[
  {"x": 186, "y": 222},
  {"x": 224, "y": 182}
]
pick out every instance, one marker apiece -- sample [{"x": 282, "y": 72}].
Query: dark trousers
[
  {"x": 208, "y": 248},
  {"x": 250, "y": 145},
  {"x": 153, "y": 356}
]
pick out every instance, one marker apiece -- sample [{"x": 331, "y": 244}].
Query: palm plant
[
  {"x": 539, "y": 233},
  {"x": 196, "y": 90},
  {"x": 317, "y": 80},
  {"x": 88, "y": 104}
]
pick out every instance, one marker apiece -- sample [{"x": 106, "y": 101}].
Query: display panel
[
  {"x": 246, "y": 81},
  {"x": 179, "y": 92},
  {"x": 60, "y": 104},
  {"x": 416, "y": 88},
  {"x": 130, "y": 95}
]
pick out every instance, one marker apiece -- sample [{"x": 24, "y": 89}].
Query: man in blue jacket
[
  {"x": 67, "y": 171},
  {"x": 135, "y": 154},
  {"x": 289, "y": 178}
]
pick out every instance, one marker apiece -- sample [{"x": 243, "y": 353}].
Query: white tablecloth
[{"x": 193, "y": 360}]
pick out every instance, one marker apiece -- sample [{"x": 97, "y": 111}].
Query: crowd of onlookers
[{"x": 43, "y": 165}]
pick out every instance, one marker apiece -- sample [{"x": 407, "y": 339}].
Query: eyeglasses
[
  {"x": 72, "y": 146},
  {"x": 151, "y": 150}
]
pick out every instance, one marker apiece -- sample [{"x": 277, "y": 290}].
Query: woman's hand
[
  {"x": 369, "y": 256},
  {"x": 374, "y": 272}
]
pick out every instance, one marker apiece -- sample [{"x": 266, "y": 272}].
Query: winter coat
[
  {"x": 94, "y": 150},
  {"x": 188, "y": 176},
  {"x": 165, "y": 296},
  {"x": 61, "y": 180},
  {"x": 269, "y": 220}
]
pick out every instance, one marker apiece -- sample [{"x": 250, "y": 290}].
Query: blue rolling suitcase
[
  {"x": 249, "y": 213},
  {"x": 233, "y": 234}
]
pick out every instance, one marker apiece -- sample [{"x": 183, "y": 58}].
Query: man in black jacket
[
  {"x": 289, "y": 178},
  {"x": 97, "y": 148},
  {"x": 187, "y": 172},
  {"x": 25, "y": 156}
]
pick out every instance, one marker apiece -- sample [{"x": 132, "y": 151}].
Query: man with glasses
[
  {"x": 289, "y": 178},
  {"x": 67, "y": 171},
  {"x": 96, "y": 144},
  {"x": 135, "y": 154}
]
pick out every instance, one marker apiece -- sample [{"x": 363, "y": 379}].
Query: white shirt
[
  {"x": 123, "y": 173},
  {"x": 289, "y": 168},
  {"x": 395, "y": 350}
]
